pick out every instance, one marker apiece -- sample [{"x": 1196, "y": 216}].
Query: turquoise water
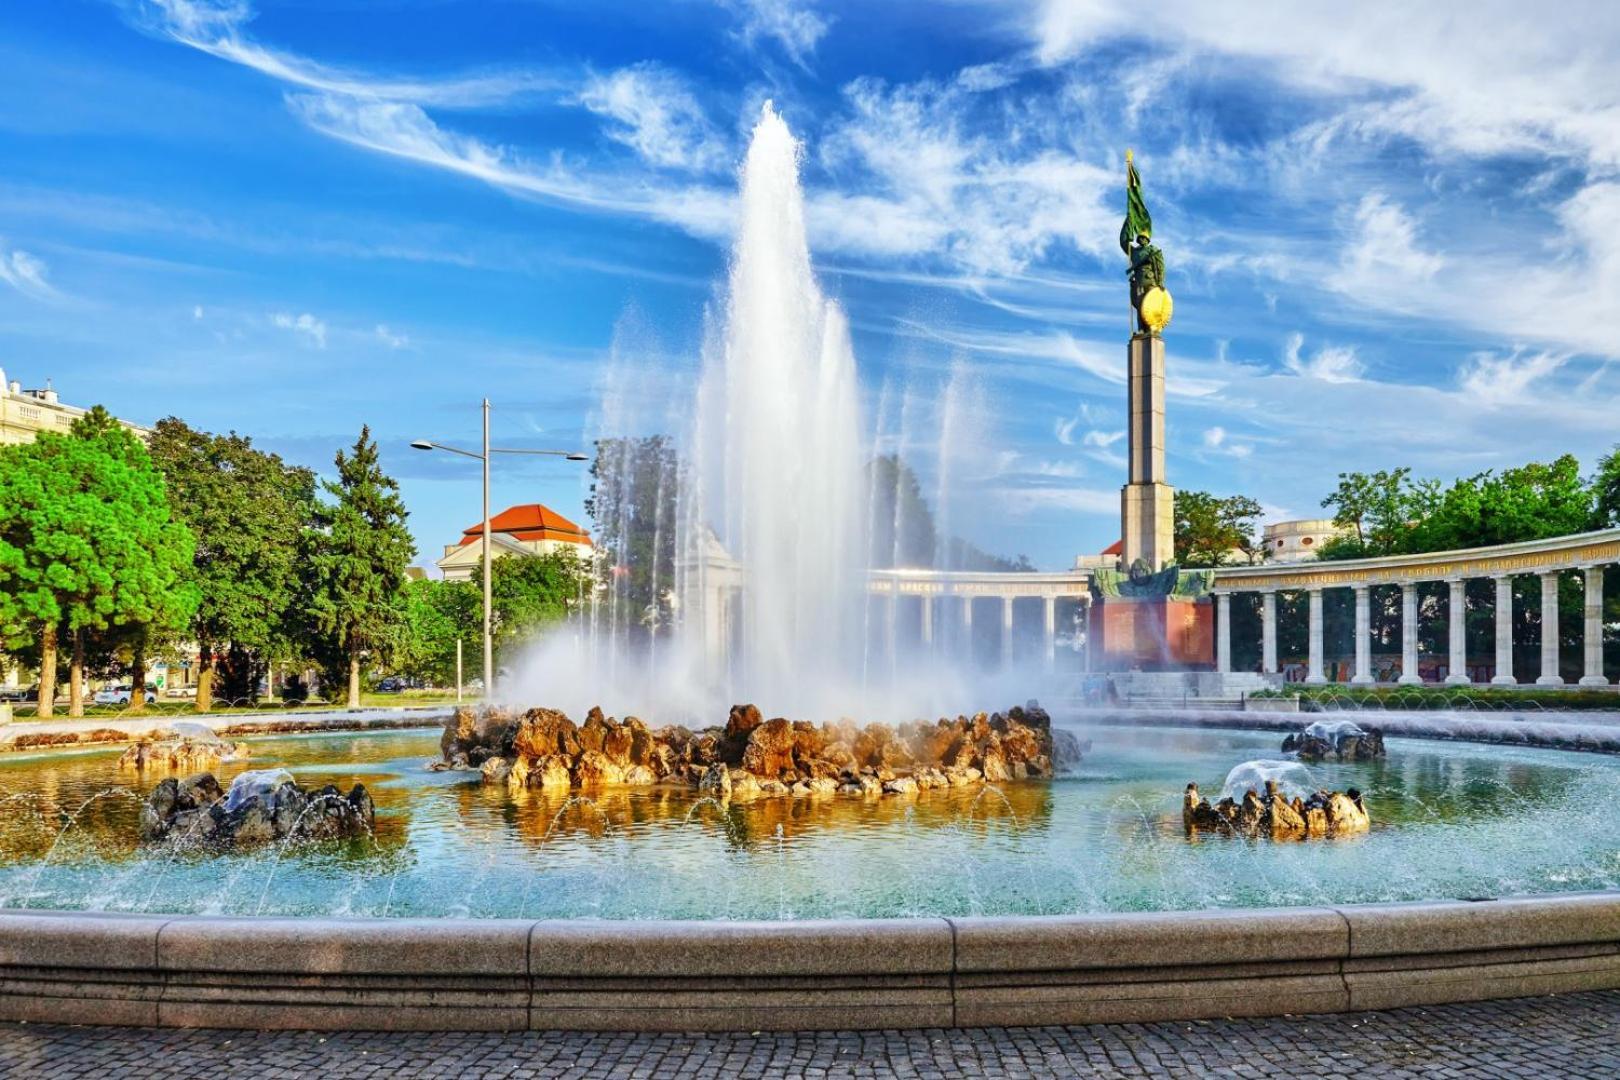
[{"x": 1451, "y": 820}]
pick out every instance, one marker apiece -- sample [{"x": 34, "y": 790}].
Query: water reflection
[{"x": 1450, "y": 820}]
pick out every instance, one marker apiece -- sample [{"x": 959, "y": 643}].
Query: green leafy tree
[
  {"x": 1214, "y": 530},
  {"x": 87, "y": 545},
  {"x": 530, "y": 594},
  {"x": 1606, "y": 492},
  {"x": 249, "y": 511},
  {"x": 903, "y": 532},
  {"x": 632, "y": 506},
  {"x": 361, "y": 551},
  {"x": 1379, "y": 508},
  {"x": 437, "y": 615}
]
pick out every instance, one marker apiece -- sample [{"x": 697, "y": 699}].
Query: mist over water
[{"x": 764, "y": 596}]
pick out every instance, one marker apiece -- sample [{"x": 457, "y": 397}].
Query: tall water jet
[{"x": 778, "y": 453}]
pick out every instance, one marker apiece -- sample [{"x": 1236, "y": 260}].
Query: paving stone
[{"x": 1571, "y": 1036}]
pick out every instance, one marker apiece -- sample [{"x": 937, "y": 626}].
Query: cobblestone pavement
[{"x": 1576, "y": 1035}]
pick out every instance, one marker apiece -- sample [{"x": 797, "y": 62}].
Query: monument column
[
  {"x": 1549, "y": 631},
  {"x": 1504, "y": 632},
  {"x": 1314, "y": 675},
  {"x": 1409, "y": 636},
  {"x": 927, "y": 621},
  {"x": 1268, "y": 632},
  {"x": 892, "y": 630},
  {"x": 1593, "y": 673},
  {"x": 1147, "y": 503},
  {"x": 1363, "y": 675},
  {"x": 1223, "y": 632},
  {"x": 1051, "y": 632},
  {"x": 1457, "y": 635}
]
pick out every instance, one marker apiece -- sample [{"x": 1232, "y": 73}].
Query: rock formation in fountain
[
  {"x": 180, "y": 754},
  {"x": 1338, "y": 740},
  {"x": 752, "y": 756},
  {"x": 259, "y": 807},
  {"x": 1323, "y": 813}
]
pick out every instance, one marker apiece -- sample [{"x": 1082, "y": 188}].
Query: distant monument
[{"x": 1153, "y": 616}]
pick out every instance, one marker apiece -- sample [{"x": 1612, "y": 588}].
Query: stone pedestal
[{"x": 1153, "y": 634}]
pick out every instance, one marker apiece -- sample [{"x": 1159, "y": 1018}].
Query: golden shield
[{"x": 1156, "y": 309}]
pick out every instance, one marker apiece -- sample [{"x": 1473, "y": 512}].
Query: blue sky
[{"x": 1393, "y": 231}]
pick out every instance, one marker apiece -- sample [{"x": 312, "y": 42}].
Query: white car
[{"x": 120, "y": 695}]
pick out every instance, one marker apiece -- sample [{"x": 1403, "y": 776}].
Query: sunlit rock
[{"x": 259, "y": 807}]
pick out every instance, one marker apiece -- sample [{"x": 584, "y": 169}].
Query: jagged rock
[
  {"x": 1337, "y": 740},
  {"x": 752, "y": 756},
  {"x": 900, "y": 785},
  {"x": 259, "y": 807},
  {"x": 1323, "y": 813},
  {"x": 180, "y": 754}
]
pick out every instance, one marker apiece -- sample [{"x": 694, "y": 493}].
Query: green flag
[{"x": 1138, "y": 222}]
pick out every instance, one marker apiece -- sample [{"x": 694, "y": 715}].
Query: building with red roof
[{"x": 526, "y": 529}]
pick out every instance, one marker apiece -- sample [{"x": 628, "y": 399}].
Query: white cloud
[
  {"x": 1501, "y": 77},
  {"x": 197, "y": 313},
  {"x": 656, "y": 116},
  {"x": 1506, "y": 380},
  {"x": 406, "y": 131},
  {"x": 1103, "y": 439},
  {"x": 24, "y": 272},
  {"x": 1063, "y": 429},
  {"x": 215, "y": 27},
  {"x": 1214, "y": 437},
  {"x": 792, "y": 24},
  {"x": 1024, "y": 500},
  {"x": 391, "y": 339},
  {"x": 306, "y": 324},
  {"x": 1331, "y": 363}
]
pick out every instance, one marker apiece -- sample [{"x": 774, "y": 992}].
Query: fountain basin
[{"x": 416, "y": 974}]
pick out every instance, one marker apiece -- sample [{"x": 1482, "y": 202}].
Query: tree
[
  {"x": 361, "y": 551},
  {"x": 249, "y": 511},
  {"x": 1606, "y": 491},
  {"x": 903, "y": 532},
  {"x": 1380, "y": 507},
  {"x": 632, "y": 504},
  {"x": 1209, "y": 528},
  {"x": 437, "y": 615},
  {"x": 87, "y": 544},
  {"x": 532, "y": 593}
]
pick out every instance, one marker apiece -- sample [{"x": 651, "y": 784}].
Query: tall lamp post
[{"x": 489, "y": 621}]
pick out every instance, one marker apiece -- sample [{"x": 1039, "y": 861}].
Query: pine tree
[{"x": 360, "y": 552}]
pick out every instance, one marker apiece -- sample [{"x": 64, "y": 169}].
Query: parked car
[
  {"x": 120, "y": 695},
  {"x": 19, "y": 693},
  {"x": 181, "y": 692},
  {"x": 393, "y": 684}
]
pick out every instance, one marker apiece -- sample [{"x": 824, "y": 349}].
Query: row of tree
[{"x": 127, "y": 550}]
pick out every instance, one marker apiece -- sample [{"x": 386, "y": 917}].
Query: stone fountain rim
[{"x": 334, "y": 973}]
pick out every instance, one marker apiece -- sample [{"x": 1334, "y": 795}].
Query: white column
[
  {"x": 927, "y": 621},
  {"x": 1594, "y": 627},
  {"x": 1504, "y": 632},
  {"x": 1409, "y": 636},
  {"x": 1549, "y": 631},
  {"x": 1314, "y": 674},
  {"x": 1268, "y": 632},
  {"x": 1363, "y": 674},
  {"x": 1051, "y": 633},
  {"x": 1457, "y": 635},
  {"x": 1223, "y": 632},
  {"x": 892, "y": 631},
  {"x": 1006, "y": 632},
  {"x": 967, "y": 627},
  {"x": 1089, "y": 641}
]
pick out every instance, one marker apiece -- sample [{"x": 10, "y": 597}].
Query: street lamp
[{"x": 489, "y": 632}]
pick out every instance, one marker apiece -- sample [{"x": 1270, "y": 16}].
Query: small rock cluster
[
  {"x": 1323, "y": 813},
  {"x": 752, "y": 756},
  {"x": 180, "y": 755},
  {"x": 1337, "y": 741},
  {"x": 259, "y": 808}
]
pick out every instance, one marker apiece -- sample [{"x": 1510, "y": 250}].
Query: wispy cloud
[
  {"x": 794, "y": 25},
  {"x": 390, "y": 338},
  {"x": 24, "y": 272},
  {"x": 1330, "y": 364},
  {"x": 1507, "y": 380},
  {"x": 215, "y": 27},
  {"x": 305, "y": 325},
  {"x": 655, "y": 115}
]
